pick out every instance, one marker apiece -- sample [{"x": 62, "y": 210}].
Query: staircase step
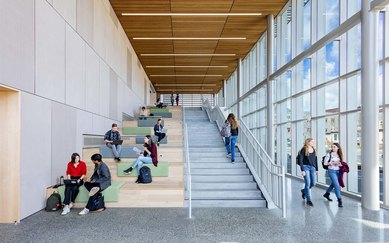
[
  {"x": 227, "y": 203},
  {"x": 210, "y": 155},
  {"x": 224, "y": 186},
  {"x": 221, "y": 178},
  {"x": 217, "y": 165},
  {"x": 214, "y": 160},
  {"x": 214, "y": 149},
  {"x": 226, "y": 194},
  {"x": 208, "y": 171}
]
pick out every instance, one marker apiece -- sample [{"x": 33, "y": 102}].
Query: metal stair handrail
[
  {"x": 269, "y": 176},
  {"x": 187, "y": 162}
]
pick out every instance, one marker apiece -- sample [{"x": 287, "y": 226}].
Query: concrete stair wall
[{"x": 216, "y": 182}]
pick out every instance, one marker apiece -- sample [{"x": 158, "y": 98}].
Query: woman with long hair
[
  {"x": 234, "y": 134},
  {"x": 76, "y": 170},
  {"x": 334, "y": 160},
  {"x": 309, "y": 169},
  {"x": 148, "y": 156}
]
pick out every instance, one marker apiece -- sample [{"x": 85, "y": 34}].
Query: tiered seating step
[{"x": 162, "y": 170}]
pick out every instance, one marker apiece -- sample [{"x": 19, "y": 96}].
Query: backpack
[
  {"x": 298, "y": 158},
  {"x": 53, "y": 203},
  {"x": 322, "y": 162},
  {"x": 97, "y": 202},
  {"x": 145, "y": 175}
]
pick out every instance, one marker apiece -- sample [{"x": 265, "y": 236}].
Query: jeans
[
  {"x": 160, "y": 136},
  {"x": 334, "y": 175},
  {"x": 89, "y": 186},
  {"x": 140, "y": 161},
  {"x": 309, "y": 179},
  {"x": 232, "y": 143},
  {"x": 227, "y": 144},
  {"x": 116, "y": 149},
  {"x": 71, "y": 192}
]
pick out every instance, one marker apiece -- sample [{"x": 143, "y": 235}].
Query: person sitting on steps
[
  {"x": 76, "y": 169},
  {"x": 109, "y": 138},
  {"x": 99, "y": 181},
  {"x": 148, "y": 156},
  {"x": 158, "y": 131},
  {"x": 142, "y": 113}
]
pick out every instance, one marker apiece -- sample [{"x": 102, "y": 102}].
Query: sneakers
[
  {"x": 233, "y": 161},
  {"x": 303, "y": 193},
  {"x": 229, "y": 155},
  {"x": 128, "y": 171},
  {"x": 65, "y": 210},
  {"x": 309, "y": 203},
  {"x": 93, "y": 191},
  {"x": 117, "y": 159},
  {"x": 84, "y": 211},
  {"x": 70, "y": 205},
  {"x": 340, "y": 204},
  {"x": 157, "y": 143}
]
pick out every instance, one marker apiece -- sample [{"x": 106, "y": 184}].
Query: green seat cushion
[
  {"x": 111, "y": 194},
  {"x": 137, "y": 131},
  {"x": 162, "y": 170},
  {"x": 158, "y": 110}
]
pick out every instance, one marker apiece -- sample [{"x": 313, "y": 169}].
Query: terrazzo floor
[{"x": 325, "y": 222}]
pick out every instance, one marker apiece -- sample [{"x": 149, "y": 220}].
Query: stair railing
[
  {"x": 187, "y": 162},
  {"x": 269, "y": 176}
]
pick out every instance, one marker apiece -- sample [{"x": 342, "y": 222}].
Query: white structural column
[
  {"x": 370, "y": 164},
  {"x": 270, "y": 108},
  {"x": 239, "y": 79},
  {"x": 224, "y": 93}
]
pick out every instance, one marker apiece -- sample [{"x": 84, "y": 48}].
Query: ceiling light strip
[
  {"x": 186, "y": 85},
  {"x": 184, "y": 90},
  {"x": 186, "y": 75},
  {"x": 189, "y": 38},
  {"x": 186, "y": 66},
  {"x": 191, "y": 14},
  {"x": 185, "y": 54}
]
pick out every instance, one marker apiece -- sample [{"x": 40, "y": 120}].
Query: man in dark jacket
[
  {"x": 111, "y": 138},
  {"x": 99, "y": 181}
]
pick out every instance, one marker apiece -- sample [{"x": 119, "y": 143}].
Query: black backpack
[
  {"x": 97, "y": 202},
  {"x": 145, "y": 175},
  {"x": 53, "y": 203},
  {"x": 322, "y": 162}
]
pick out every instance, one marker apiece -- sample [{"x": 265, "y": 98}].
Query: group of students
[
  {"x": 113, "y": 139},
  {"x": 230, "y": 131},
  {"x": 101, "y": 177},
  {"x": 332, "y": 161}
]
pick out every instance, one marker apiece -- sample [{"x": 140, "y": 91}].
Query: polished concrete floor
[{"x": 325, "y": 222}]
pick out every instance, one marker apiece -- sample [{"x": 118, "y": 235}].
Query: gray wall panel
[
  {"x": 63, "y": 138},
  {"x": 35, "y": 157},
  {"x": 92, "y": 89},
  {"x": 17, "y": 44},
  {"x": 50, "y": 52},
  {"x": 75, "y": 69},
  {"x": 85, "y": 13},
  {"x": 68, "y": 10}
]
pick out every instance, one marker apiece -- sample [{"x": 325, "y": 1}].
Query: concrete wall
[{"x": 77, "y": 73}]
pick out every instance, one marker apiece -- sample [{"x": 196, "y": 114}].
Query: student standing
[
  {"x": 309, "y": 169},
  {"x": 226, "y": 133},
  {"x": 172, "y": 99},
  {"x": 177, "y": 99},
  {"x": 234, "y": 134},
  {"x": 334, "y": 160},
  {"x": 76, "y": 170}
]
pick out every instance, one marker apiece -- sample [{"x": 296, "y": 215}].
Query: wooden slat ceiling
[{"x": 250, "y": 27}]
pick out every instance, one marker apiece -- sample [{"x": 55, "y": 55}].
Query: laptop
[
  {"x": 117, "y": 142},
  {"x": 70, "y": 182}
]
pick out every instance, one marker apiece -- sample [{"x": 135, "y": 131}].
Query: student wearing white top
[{"x": 334, "y": 160}]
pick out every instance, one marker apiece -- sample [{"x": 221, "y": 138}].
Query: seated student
[
  {"x": 142, "y": 113},
  {"x": 148, "y": 156},
  {"x": 109, "y": 138},
  {"x": 99, "y": 181},
  {"x": 76, "y": 169},
  {"x": 158, "y": 131},
  {"x": 159, "y": 104}
]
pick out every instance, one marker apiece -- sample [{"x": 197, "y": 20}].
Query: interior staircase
[{"x": 216, "y": 182}]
